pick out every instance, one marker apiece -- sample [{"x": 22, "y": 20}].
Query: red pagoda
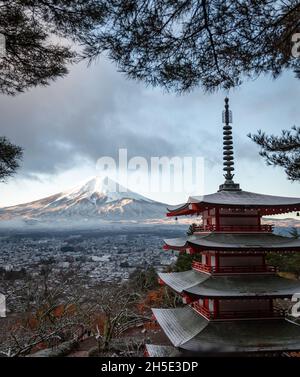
[{"x": 230, "y": 292}]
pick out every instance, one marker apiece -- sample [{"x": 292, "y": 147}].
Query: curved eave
[
  {"x": 228, "y": 296},
  {"x": 183, "y": 210},
  {"x": 189, "y": 331},
  {"x": 181, "y": 281},
  {"x": 175, "y": 244},
  {"x": 210, "y": 246},
  {"x": 180, "y": 325},
  {"x": 196, "y": 284},
  {"x": 195, "y": 209},
  {"x": 153, "y": 350},
  {"x": 245, "y": 286},
  {"x": 207, "y": 245},
  {"x": 245, "y": 198},
  {"x": 234, "y": 242},
  {"x": 266, "y": 204},
  {"x": 247, "y": 336}
]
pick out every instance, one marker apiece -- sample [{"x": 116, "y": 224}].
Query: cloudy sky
[{"x": 94, "y": 111}]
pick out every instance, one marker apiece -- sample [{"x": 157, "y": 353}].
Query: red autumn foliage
[{"x": 153, "y": 298}]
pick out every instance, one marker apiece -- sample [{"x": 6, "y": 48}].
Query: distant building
[{"x": 102, "y": 258}]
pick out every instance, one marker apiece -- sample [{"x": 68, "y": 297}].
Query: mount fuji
[{"x": 96, "y": 200}]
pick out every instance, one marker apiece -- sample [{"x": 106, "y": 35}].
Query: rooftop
[
  {"x": 253, "y": 285},
  {"x": 233, "y": 241},
  {"x": 267, "y": 204},
  {"x": 188, "y": 330},
  {"x": 161, "y": 351}
]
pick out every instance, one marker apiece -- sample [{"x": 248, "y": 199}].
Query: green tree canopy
[
  {"x": 283, "y": 151},
  {"x": 183, "y": 44},
  {"x": 178, "y": 45},
  {"x": 38, "y": 35},
  {"x": 10, "y": 157}
]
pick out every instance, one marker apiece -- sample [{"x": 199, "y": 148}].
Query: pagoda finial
[{"x": 228, "y": 159}]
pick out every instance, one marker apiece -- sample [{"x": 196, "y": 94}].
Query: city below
[{"x": 92, "y": 256}]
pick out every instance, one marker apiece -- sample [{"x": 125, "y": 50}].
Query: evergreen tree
[
  {"x": 180, "y": 45},
  {"x": 10, "y": 156},
  {"x": 283, "y": 151},
  {"x": 286, "y": 262},
  {"x": 177, "y": 45},
  {"x": 34, "y": 32}
]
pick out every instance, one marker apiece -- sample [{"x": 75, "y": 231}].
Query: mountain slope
[{"x": 96, "y": 199}]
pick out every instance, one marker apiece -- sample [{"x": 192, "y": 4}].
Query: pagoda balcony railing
[
  {"x": 198, "y": 266},
  {"x": 234, "y": 228},
  {"x": 237, "y": 314},
  {"x": 202, "y": 310},
  {"x": 229, "y": 314}
]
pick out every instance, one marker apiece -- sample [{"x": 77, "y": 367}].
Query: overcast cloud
[{"x": 95, "y": 111}]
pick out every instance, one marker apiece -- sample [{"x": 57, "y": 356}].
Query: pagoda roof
[
  {"x": 180, "y": 325},
  {"x": 190, "y": 331},
  {"x": 181, "y": 281},
  {"x": 267, "y": 204},
  {"x": 231, "y": 241},
  {"x": 154, "y": 350},
  {"x": 229, "y": 286}
]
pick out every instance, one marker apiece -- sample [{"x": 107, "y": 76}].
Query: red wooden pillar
[
  {"x": 217, "y": 259},
  {"x": 207, "y": 259},
  {"x": 258, "y": 220},
  {"x": 216, "y": 308},
  {"x": 217, "y": 212}
]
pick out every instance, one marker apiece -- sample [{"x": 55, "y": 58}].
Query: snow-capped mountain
[{"x": 96, "y": 199}]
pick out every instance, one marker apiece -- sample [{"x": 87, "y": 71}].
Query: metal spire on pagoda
[{"x": 228, "y": 158}]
